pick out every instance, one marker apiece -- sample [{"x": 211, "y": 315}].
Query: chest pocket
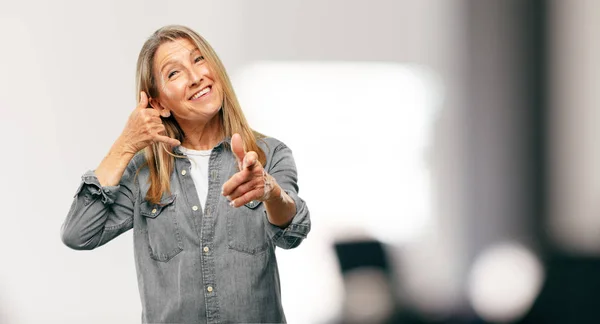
[
  {"x": 160, "y": 228},
  {"x": 246, "y": 228}
]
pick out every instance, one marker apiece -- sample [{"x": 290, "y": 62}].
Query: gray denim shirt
[{"x": 194, "y": 265}]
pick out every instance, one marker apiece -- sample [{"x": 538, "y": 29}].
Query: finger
[
  {"x": 167, "y": 140},
  {"x": 157, "y": 129},
  {"x": 148, "y": 117},
  {"x": 235, "y": 180},
  {"x": 253, "y": 184},
  {"x": 154, "y": 120},
  {"x": 151, "y": 129},
  {"x": 143, "y": 103},
  {"x": 150, "y": 113},
  {"x": 246, "y": 198},
  {"x": 237, "y": 146},
  {"x": 250, "y": 159}
]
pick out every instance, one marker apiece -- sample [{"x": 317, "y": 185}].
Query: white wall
[{"x": 67, "y": 88}]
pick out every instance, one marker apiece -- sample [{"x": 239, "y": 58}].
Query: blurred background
[{"x": 444, "y": 148}]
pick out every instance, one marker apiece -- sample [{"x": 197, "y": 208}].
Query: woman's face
[{"x": 186, "y": 85}]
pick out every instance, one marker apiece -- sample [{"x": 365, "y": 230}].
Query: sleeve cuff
[
  {"x": 90, "y": 183},
  {"x": 297, "y": 229}
]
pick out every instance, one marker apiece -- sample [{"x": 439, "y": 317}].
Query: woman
[{"x": 207, "y": 197}]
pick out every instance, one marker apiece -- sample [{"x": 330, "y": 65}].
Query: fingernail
[
  {"x": 231, "y": 204},
  {"x": 228, "y": 198}
]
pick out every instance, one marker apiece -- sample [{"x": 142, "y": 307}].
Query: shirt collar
[{"x": 225, "y": 141}]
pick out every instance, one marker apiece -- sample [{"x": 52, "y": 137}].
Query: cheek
[{"x": 172, "y": 90}]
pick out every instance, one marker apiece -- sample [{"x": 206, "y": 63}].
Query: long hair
[{"x": 159, "y": 160}]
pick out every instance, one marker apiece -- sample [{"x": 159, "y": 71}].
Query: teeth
[{"x": 197, "y": 95}]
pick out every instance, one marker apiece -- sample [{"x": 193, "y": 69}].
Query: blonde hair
[{"x": 159, "y": 160}]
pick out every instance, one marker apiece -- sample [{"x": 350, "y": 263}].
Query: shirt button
[
  {"x": 195, "y": 208},
  {"x": 183, "y": 172},
  {"x": 209, "y": 289},
  {"x": 206, "y": 249},
  {"x": 154, "y": 211}
]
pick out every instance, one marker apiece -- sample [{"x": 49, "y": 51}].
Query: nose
[{"x": 195, "y": 78}]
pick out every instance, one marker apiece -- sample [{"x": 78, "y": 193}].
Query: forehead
[{"x": 178, "y": 49}]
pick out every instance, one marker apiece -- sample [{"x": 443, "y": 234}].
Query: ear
[{"x": 164, "y": 112}]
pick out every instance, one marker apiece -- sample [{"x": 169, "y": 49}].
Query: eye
[
  {"x": 199, "y": 58},
  {"x": 171, "y": 74}
]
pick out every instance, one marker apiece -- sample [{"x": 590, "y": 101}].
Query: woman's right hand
[{"x": 144, "y": 127}]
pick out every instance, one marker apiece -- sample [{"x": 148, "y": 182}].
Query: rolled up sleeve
[
  {"x": 99, "y": 213},
  {"x": 283, "y": 169}
]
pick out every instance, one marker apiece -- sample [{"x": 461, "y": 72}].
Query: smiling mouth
[{"x": 200, "y": 93}]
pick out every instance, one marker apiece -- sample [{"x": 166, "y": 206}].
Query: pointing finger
[{"x": 250, "y": 159}]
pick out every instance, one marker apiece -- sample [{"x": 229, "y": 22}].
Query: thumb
[
  {"x": 237, "y": 146},
  {"x": 143, "y": 100}
]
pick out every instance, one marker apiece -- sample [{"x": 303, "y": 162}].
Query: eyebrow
[{"x": 171, "y": 61}]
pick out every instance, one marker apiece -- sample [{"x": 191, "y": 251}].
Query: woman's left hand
[{"x": 252, "y": 182}]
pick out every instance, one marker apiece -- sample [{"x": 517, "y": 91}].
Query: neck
[{"x": 201, "y": 137}]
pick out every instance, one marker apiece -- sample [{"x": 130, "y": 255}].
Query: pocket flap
[{"x": 151, "y": 210}]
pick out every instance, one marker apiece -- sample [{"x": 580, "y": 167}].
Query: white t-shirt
[{"x": 199, "y": 171}]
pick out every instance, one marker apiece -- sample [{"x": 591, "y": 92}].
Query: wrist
[
  {"x": 122, "y": 148},
  {"x": 275, "y": 193}
]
